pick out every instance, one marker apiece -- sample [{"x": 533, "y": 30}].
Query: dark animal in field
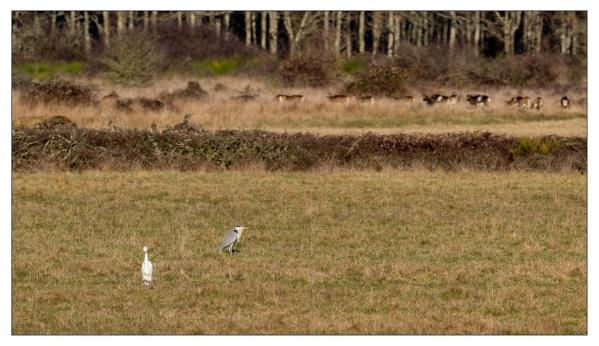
[
  {"x": 435, "y": 99},
  {"x": 56, "y": 122},
  {"x": 192, "y": 92},
  {"x": 124, "y": 104},
  {"x": 537, "y": 104},
  {"x": 429, "y": 100},
  {"x": 520, "y": 101},
  {"x": 290, "y": 98},
  {"x": 340, "y": 98},
  {"x": 478, "y": 100},
  {"x": 565, "y": 102}
]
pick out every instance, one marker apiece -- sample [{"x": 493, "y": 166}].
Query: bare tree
[
  {"x": 348, "y": 43},
  {"x": 325, "y": 30},
  {"x": 263, "y": 30},
  {"x": 120, "y": 22},
  {"x": 361, "y": 44},
  {"x": 72, "y": 23},
  {"x": 297, "y": 27},
  {"x": 376, "y": 31},
  {"x": 274, "y": 30},
  {"x": 248, "y": 28},
  {"x": 106, "y": 17},
  {"x": 509, "y": 21},
  {"x": 390, "y": 26},
  {"x": 131, "y": 21},
  {"x": 254, "y": 27},
  {"x": 452, "y": 32},
  {"x": 397, "y": 32},
  {"x": 86, "y": 39},
  {"x": 338, "y": 32},
  {"x": 146, "y": 19},
  {"x": 476, "y": 43},
  {"x": 179, "y": 20},
  {"x": 154, "y": 21}
]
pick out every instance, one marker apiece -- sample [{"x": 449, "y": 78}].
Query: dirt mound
[
  {"x": 193, "y": 91},
  {"x": 75, "y": 149},
  {"x": 56, "y": 122},
  {"x": 54, "y": 91}
]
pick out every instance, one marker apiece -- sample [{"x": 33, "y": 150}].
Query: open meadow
[
  {"x": 219, "y": 110},
  {"x": 326, "y": 252}
]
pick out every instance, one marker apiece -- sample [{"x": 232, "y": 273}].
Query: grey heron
[
  {"x": 146, "y": 269},
  {"x": 231, "y": 238}
]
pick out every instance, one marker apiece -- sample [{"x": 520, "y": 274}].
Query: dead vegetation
[{"x": 186, "y": 148}]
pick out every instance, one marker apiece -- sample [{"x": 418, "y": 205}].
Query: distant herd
[{"x": 523, "y": 102}]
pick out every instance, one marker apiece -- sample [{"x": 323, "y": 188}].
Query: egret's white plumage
[
  {"x": 231, "y": 238},
  {"x": 146, "y": 269}
]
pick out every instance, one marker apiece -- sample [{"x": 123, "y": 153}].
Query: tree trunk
[
  {"x": 218, "y": 26},
  {"x": 154, "y": 21},
  {"x": 538, "y": 35},
  {"x": 376, "y": 31},
  {"x": 452, "y": 32},
  {"x": 53, "y": 23},
  {"x": 418, "y": 29},
  {"x": 248, "y": 28},
  {"x": 192, "y": 20},
  {"x": 227, "y": 21},
  {"x": 86, "y": 39},
  {"x": 263, "y": 30},
  {"x": 254, "y": 27},
  {"x": 131, "y": 19},
  {"x": 179, "y": 20},
  {"x": 325, "y": 30},
  {"x": 72, "y": 23},
  {"x": 348, "y": 43},
  {"x": 361, "y": 43},
  {"x": 424, "y": 28},
  {"x": 476, "y": 43},
  {"x": 274, "y": 30},
  {"x": 106, "y": 17},
  {"x": 575, "y": 29},
  {"x": 397, "y": 33},
  {"x": 390, "y": 26},
  {"x": 120, "y": 23},
  {"x": 338, "y": 33},
  {"x": 146, "y": 17}
]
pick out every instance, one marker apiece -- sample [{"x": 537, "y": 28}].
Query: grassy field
[
  {"x": 400, "y": 252},
  {"x": 317, "y": 114}
]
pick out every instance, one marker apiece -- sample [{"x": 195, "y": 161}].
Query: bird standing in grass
[
  {"x": 146, "y": 269},
  {"x": 231, "y": 238}
]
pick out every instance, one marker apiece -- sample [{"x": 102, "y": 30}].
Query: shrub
[
  {"x": 217, "y": 66},
  {"x": 353, "y": 65},
  {"x": 308, "y": 70},
  {"x": 56, "y": 90},
  {"x": 541, "y": 145},
  {"x": 382, "y": 80},
  {"x": 133, "y": 59}
]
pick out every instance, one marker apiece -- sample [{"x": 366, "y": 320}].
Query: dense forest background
[{"x": 315, "y": 48}]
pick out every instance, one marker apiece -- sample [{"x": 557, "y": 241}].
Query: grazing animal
[
  {"x": 429, "y": 100},
  {"x": 537, "y": 104},
  {"x": 565, "y": 102},
  {"x": 231, "y": 238},
  {"x": 520, "y": 101},
  {"x": 56, "y": 122},
  {"x": 341, "y": 98},
  {"x": 452, "y": 100},
  {"x": 478, "y": 100},
  {"x": 291, "y": 98},
  {"x": 146, "y": 269},
  {"x": 112, "y": 96}
]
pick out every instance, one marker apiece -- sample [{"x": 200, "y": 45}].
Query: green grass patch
[
  {"x": 353, "y": 66},
  {"x": 46, "y": 71},
  {"x": 217, "y": 66}
]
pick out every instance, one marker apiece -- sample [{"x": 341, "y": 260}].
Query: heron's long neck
[{"x": 146, "y": 256}]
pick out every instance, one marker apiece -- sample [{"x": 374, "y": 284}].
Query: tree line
[{"x": 344, "y": 33}]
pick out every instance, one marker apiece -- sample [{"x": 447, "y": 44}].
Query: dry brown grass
[
  {"x": 343, "y": 252},
  {"x": 317, "y": 114}
]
